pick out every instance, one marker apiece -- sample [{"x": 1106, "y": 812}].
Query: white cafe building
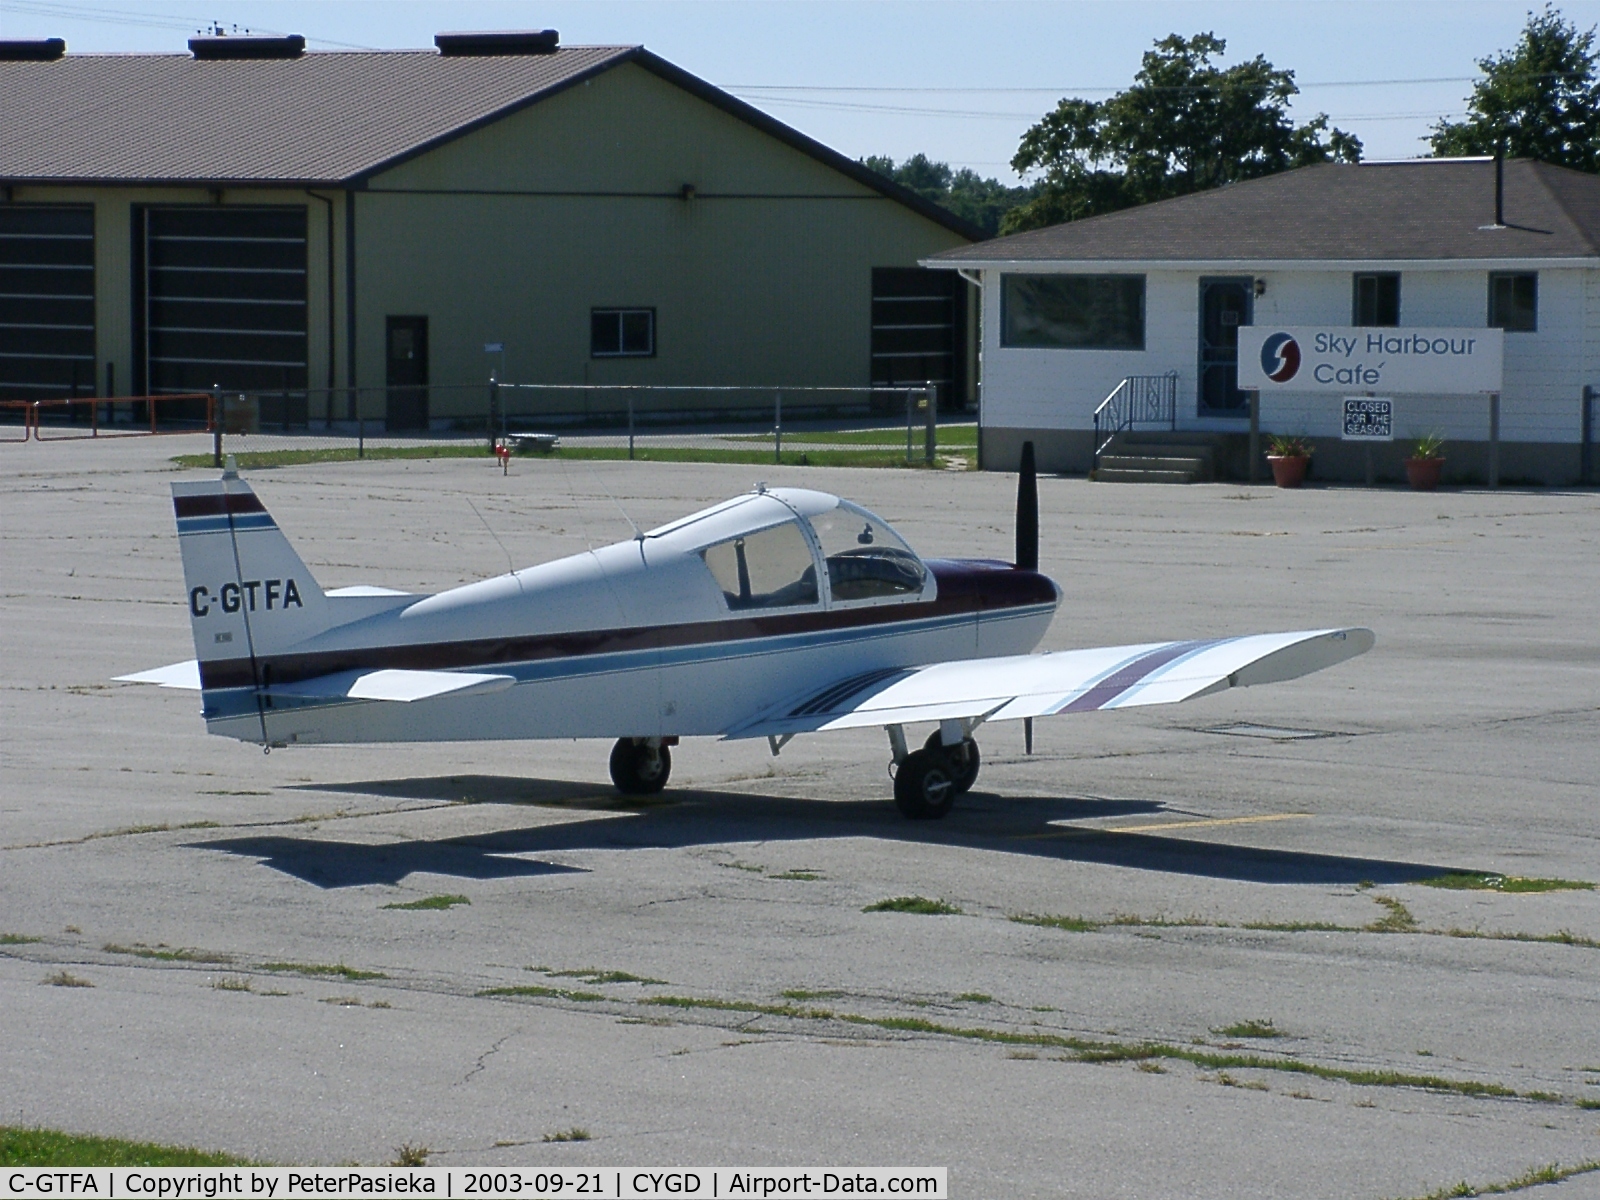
[{"x": 1142, "y": 325}]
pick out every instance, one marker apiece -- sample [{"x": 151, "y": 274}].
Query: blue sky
[{"x": 959, "y": 81}]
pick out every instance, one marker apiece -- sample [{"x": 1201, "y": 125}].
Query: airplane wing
[
  {"x": 400, "y": 686},
  {"x": 1068, "y": 681}
]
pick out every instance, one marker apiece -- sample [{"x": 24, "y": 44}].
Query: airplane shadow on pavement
[{"x": 696, "y": 817}]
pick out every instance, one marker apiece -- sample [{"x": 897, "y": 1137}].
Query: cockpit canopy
[{"x": 791, "y": 548}]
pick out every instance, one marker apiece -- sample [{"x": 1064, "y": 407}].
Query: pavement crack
[{"x": 483, "y": 1058}]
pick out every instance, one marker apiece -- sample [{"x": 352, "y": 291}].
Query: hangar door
[
  {"x": 919, "y": 331},
  {"x": 222, "y": 298},
  {"x": 46, "y": 301}
]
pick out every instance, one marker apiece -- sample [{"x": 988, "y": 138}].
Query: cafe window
[
  {"x": 1514, "y": 301},
  {"x": 1075, "y": 312},
  {"x": 1376, "y": 300}
]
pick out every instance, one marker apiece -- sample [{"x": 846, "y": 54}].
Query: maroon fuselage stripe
[
  {"x": 1135, "y": 672},
  {"x": 216, "y": 504},
  {"x": 965, "y": 586}
]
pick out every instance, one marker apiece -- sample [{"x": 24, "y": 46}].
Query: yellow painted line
[{"x": 1203, "y": 824}]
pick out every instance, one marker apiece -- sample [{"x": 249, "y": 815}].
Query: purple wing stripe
[{"x": 1108, "y": 689}]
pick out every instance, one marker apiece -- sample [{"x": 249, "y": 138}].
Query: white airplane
[{"x": 776, "y": 613}]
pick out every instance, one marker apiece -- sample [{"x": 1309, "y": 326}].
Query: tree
[
  {"x": 1185, "y": 125},
  {"x": 1540, "y": 99},
  {"x": 982, "y": 201}
]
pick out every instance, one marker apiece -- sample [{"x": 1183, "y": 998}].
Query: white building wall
[{"x": 1544, "y": 371}]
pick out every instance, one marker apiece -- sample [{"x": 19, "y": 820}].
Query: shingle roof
[
  {"x": 324, "y": 119},
  {"x": 1421, "y": 209}
]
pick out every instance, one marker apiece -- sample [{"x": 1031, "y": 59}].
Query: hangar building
[
  {"x": 266, "y": 219},
  {"x": 1157, "y": 296}
]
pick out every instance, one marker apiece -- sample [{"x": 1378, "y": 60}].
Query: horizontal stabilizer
[
  {"x": 1068, "y": 681},
  {"x": 401, "y": 686},
  {"x": 178, "y": 675}
]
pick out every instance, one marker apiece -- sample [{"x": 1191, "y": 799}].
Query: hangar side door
[
  {"x": 919, "y": 333},
  {"x": 407, "y": 372},
  {"x": 1225, "y": 304}
]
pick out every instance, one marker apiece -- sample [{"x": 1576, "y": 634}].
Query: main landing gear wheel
[
  {"x": 925, "y": 785},
  {"x": 963, "y": 760},
  {"x": 638, "y": 768}
]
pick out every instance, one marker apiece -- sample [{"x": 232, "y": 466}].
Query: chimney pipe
[{"x": 1500, "y": 185}]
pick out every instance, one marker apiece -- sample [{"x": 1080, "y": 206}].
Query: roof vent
[
  {"x": 504, "y": 41},
  {"x": 219, "y": 45},
  {"x": 32, "y": 49}
]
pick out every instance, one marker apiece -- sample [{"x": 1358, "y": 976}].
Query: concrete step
[
  {"x": 1127, "y": 475},
  {"x": 1153, "y": 462}
]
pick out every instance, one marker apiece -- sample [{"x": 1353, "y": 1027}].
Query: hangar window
[
  {"x": 866, "y": 559},
  {"x": 622, "y": 332},
  {"x": 771, "y": 568},
  {"x": 1376, "y": 299},
  {"x": 1514, "y": 301},
  {"x": 1075, "y": 312}
]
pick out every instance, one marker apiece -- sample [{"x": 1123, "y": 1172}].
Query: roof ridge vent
[
  {"x": 220, "y": 45},
  {"x": 32, "y": 49},
  {"x": 475, "y": 44}
]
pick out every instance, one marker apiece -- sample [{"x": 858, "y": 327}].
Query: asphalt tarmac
[{"x": 702, "y": 985}]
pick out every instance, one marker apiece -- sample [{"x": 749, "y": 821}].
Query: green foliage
[
  {"x": 1287, "y": 445},
  {"x": 984, "y": 202},
  {"x": 1505, "y": 883},
  {"x": 430, "y": 902},
  {"x": 1541, "y": 99},
  {"x": 17, "y": 939},
  {"x": 575, "y": 1134},
  {"x": 540, "y": 992},
  {"x": 50, "y": 1148},
  {"x": 337, "y": 969},
  {"x": 1249, "y": 1029},
  {"x": 1429, "y": 445},
  {"x": 407, "y": 1155},
  {"x": 1186, "y": 125},
  {"x": 914, "y": 904}
]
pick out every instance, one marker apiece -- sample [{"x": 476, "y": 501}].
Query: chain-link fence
[{"x": 791, "y": 424}]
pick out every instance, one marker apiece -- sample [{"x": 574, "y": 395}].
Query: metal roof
[
  {"x": 328, "y": 119},
  {"x": 1420, "y": 209}
]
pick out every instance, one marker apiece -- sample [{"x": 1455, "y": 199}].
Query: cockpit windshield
[
  {"x": 770, "y": 568},
  {"x": 866, "y": 559}
]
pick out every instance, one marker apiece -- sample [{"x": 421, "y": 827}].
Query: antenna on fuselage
[{"x": 1027, "y": 512}]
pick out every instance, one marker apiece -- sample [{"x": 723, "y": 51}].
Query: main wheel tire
[
  {"x": 639, "y": 769},
  {"x": 964, "y": 760},
  {"x": 925, "y": 786}
]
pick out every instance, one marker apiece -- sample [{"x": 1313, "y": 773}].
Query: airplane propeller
[{"x": 1027, "y": 512}]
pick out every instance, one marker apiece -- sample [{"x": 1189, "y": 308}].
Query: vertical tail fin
[{"x": 249, "y": 593}]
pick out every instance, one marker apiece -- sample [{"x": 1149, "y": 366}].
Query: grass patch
[
  {"x": 803, "y": 994},
  {"x": 1396, "y": 919},
  {"x": 430, "y": 903},
  {"x": 51, "y": 1148},
  {"x": 801, "y": 874},
  {"x": 975, "y": 998},
  {"x": 260, "y": 459},
  {"x": 1505, "y": 883},
  {"x": 407, "y": 1155},
  {"x": 1299, "y": 927},
  {"x": 736, "y": 865},
  {"x": 336, "y": 969},
  {"x": 576, "y": 1134},
  {"x": 592, "y": 975},
  {"x": 66, "y": 979},
  {"x": 1150, "y": 1067},
  {"x": 1535, "y": 1177},
  {"x": 233, "y": 983},
  {"x": 166, "y": 953},
  {"x": 1564, "y": 937},
  {"x": 914, "y": 904},
  {"x": 1250, "y": 1029},
  {"x": 746, "y": 1006},
  {"x": 17, "y": 939},
  {"x": 949, "y": 436},
  {"x": 539, "y": 991},
  {"x": 1070, "y": 924}
]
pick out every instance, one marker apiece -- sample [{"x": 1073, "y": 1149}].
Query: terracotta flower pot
[
  {"x": 1288, "y": 470},
  {"x": 1424, "y": 472}
]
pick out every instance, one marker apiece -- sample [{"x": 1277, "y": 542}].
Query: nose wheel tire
[
  {"x": 963, "y": 758},
  {"x": 638, "y": 768},
  {"x": 925, "y": 785}
]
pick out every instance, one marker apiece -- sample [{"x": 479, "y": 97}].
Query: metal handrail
[{"x": 1137, "y": 400}]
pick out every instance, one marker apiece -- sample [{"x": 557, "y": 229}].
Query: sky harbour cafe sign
[{"x": 1342, "y": 359}]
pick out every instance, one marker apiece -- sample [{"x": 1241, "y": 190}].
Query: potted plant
[
  {"x": 1426, "y": 463},
  {"x": 1289, "y": 455}
]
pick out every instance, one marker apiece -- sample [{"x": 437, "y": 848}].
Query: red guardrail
[{"x": 36, "y": 413}]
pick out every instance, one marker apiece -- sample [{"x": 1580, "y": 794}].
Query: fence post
[
  {"x": 1255, "y": 436},
  {"x": 1586, "y": 453},
  {"x": 777, "y": 428},
  {"x": 216, "y": 425},
  {"x": 931, "y": 437},
  {"x": 911, "y": 412},
  {"x": 494, "y": 405},
  {"x": 1494, "y": 439},
  {"x": 630, "y": 426}
]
